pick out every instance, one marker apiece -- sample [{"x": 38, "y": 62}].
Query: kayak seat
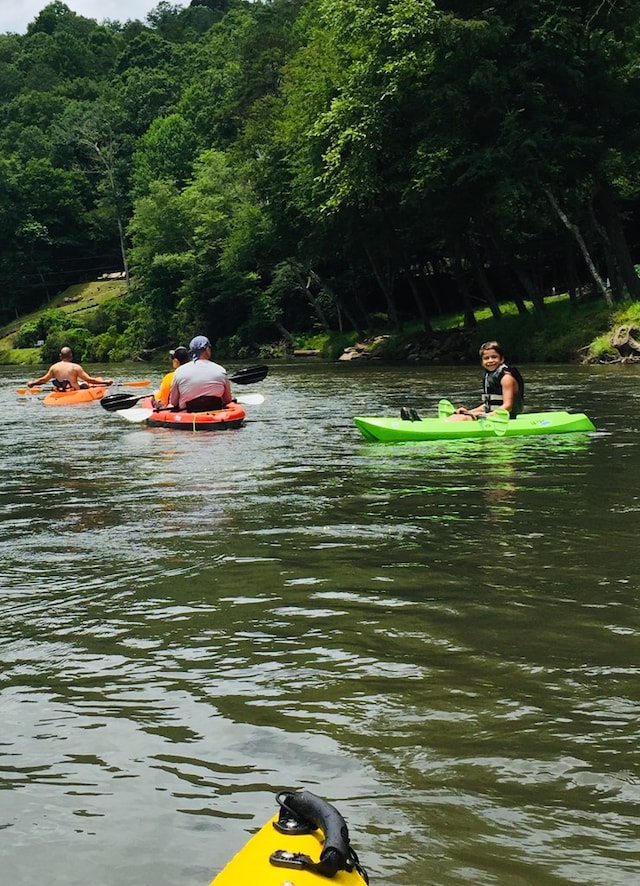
[{"x": 206, "y": 403}]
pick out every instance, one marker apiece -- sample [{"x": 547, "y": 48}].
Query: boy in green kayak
[{"x": 502, "y": 386}]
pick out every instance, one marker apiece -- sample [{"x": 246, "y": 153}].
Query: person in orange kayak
[
  {"x": 179, "y": 356},
  {"x": 65, "y": 375},
  {"x": 200, "y": 385}
]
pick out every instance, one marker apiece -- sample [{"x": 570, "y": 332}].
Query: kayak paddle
[
  {"x": 445, "y": 408},
  {"x": 113, "y": 402},
  {"x": 250, "y": 375},
  {"x": 498, "y": 421},
  {"x": 135, "y": 415},
  {"x": 250, "y": 399},
  {"x": 120, "y": 402}
]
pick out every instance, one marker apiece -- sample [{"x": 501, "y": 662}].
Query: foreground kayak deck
[
  {"x": 71, "y": 398},
  {"x": 232, "y": 416},
  {"x": 397, "y": 430},
  {"x": 273, "y": 858}
]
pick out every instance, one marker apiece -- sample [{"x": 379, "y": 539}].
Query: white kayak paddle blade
[{"x": 135, "y": 415}]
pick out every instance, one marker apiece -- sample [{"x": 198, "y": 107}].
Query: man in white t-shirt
[{"x": 200, "y": 385}]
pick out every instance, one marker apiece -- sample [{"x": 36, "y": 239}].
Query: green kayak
[{"x": 397, "y": 429}]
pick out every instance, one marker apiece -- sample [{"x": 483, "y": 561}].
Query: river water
[{"x": 440, "y": 638}]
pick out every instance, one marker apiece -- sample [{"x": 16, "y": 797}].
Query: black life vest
[{"x": 492, "y": 389}]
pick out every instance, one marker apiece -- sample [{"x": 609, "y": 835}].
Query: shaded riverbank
[{"x": 564, "y": 332}]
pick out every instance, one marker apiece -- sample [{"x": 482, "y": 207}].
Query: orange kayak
[
  {"x": 71, "y": 398},
  {"x": 232, "y": 416}
]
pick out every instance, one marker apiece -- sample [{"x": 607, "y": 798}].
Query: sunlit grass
[
  {"x": 564, "y": 331},
  {"x": 78, "y": 300}
]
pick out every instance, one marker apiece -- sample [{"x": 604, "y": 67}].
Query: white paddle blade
[
  {"x": 135, "y": 415},
  {"x": 250, "y": 399}
]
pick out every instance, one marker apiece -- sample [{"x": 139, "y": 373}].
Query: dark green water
[{"x": 442, "y": 639}]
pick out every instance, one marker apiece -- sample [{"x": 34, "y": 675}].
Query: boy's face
[{"x": 491, "y": 359}]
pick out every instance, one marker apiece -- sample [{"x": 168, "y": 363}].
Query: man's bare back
[{"x": 66, "y": 371}]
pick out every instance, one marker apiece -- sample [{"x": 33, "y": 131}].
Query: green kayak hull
[{"x": 397, "y": 429}]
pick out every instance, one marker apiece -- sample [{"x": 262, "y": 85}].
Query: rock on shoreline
[{"x": 450, "y": 347}]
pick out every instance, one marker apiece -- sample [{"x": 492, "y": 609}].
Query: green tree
[
  {"x": 166, "y": 151},
  {"x": 161, "y": 254}
]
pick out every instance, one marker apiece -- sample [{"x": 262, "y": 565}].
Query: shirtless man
[{"x": 66, "y": 375}]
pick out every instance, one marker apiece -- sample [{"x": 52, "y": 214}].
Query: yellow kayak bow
[{"x": 306, "y": 843}]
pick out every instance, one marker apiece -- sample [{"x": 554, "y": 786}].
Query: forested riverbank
[
  {"x": 271, "y": 172},
  {"x": 564, "y": 332}
]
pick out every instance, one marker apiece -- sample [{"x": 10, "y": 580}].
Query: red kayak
[{"x": 232, "y": 416}]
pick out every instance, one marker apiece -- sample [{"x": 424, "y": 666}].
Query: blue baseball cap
[{"x": 198, "y": 344}]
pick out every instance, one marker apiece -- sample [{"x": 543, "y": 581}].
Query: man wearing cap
[
  {"x": 200, "y": 385},
  {"x": 179, "y": 356}
]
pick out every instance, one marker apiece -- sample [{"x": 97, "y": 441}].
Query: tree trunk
[
  {"x": 123, "y": 251},
  {"x": 433, "y": 292},
  {"x": 305, "y": 286},
  {"x": 502, "y": 260},
  {"x": 366, "y": 320},
  {"x": 385, "y": 282},
  {"x": 353, "y": 323},
  {"x": 483, "y": 283},
  {"x": 609, "y": 216},
  {"x": 583, "y": 248},
  {"x": 106, "y": 158},
  {"x": 422, "y": 311},
  {"x": 571, "y": 276},
  {"x": 614, "y": 282},
  {"x": 285, "y": 334},
  {"x": 341, "y": 309},
  {"x": 469, "y": 317}
]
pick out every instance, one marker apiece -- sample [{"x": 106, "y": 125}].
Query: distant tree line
[{"x": 260, "y": 170}]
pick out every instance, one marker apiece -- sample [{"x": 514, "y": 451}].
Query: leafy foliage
[
  {"x": 262, "y": 171},
  {"x": 35, "y": 331},
  {"x": 78, "y": 338}
]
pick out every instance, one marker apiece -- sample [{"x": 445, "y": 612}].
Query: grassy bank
[
  {"x": 80, "y": 302},
  {"x": 563, "y": 332}
]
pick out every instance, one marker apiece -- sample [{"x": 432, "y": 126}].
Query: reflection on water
[{"x": 441, "y": 638}]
